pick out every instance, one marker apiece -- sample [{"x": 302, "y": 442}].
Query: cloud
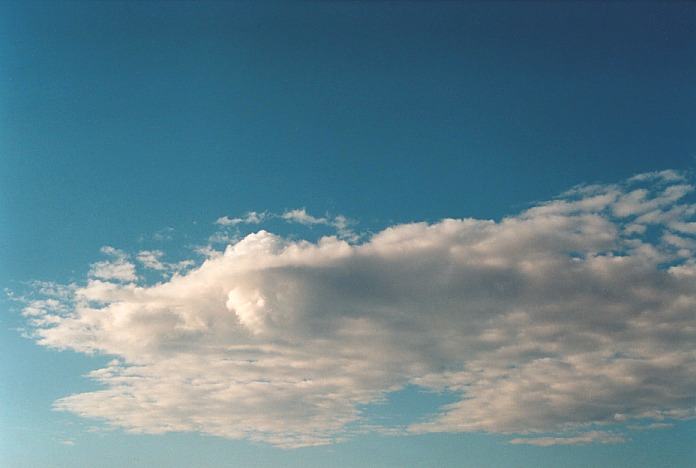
[
  {"x": 118, "y": 268},
  {"x": 252, "y": 217},
  {"x": 164, "y": 234},
  {"x": 668, "y": 175},
  {"x": 649, "y": 427},
  {"x": 152, "y": 260},
  {"x": 580, "y": 439},
  {"x": 302, "y": 217},
  {"x": 340, "y": 223},
  {"x": 554, "y": 321}
]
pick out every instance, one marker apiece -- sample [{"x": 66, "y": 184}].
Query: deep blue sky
[{"x": 120, "y": 119}]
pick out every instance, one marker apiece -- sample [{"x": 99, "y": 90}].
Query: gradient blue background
[{"x": 120, "y": 119}]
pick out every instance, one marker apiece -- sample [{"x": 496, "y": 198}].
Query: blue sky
[{"x": 152, "y": 127}]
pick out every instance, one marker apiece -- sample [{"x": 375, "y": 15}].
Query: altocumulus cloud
[{"x": 574, "y": 315}]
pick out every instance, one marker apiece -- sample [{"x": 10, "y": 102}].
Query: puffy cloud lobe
[{"x": 561, "y": 318}]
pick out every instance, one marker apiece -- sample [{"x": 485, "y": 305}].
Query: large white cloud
[{"x": 571, "y": 316}]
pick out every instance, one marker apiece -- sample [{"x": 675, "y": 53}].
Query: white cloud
[
  {"x": 118, "y": 268},
  {"x": 302, "y": 217},
  {"x": 227, "y": 221},
  {"x": 340, "y": 223},
  {"x": 650, "y": 427},
  {"x": 668, "y": 175},
  {"x": 580, "y": 439},
  {"x": 252, "y": 217},
  {"x": 639, "y": 201},
  {"x": 553, "y": 321},
  {"x": 164, "y": 234},
  {"x": 152, "y": 260}
]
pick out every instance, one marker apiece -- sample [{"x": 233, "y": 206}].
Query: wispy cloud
[
  {"x": 164, "y": 234},
  {"x": 340, "y": 224},
  {"x": 649, "y": 427},
  {"x": 302, "y": 217},
  {"x": 591, "y": 437},
  {"x": 152, "y": 260},
  {"x": 252, "y": 217},
  {"x": 116, "y": 268},
  {"x": 564, "y": 315}
]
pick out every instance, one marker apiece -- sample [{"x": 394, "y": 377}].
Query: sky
[{"x": 358, "y": 234}]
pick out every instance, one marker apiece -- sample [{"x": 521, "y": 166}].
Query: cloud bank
[{"x": 574, "y": 315}]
